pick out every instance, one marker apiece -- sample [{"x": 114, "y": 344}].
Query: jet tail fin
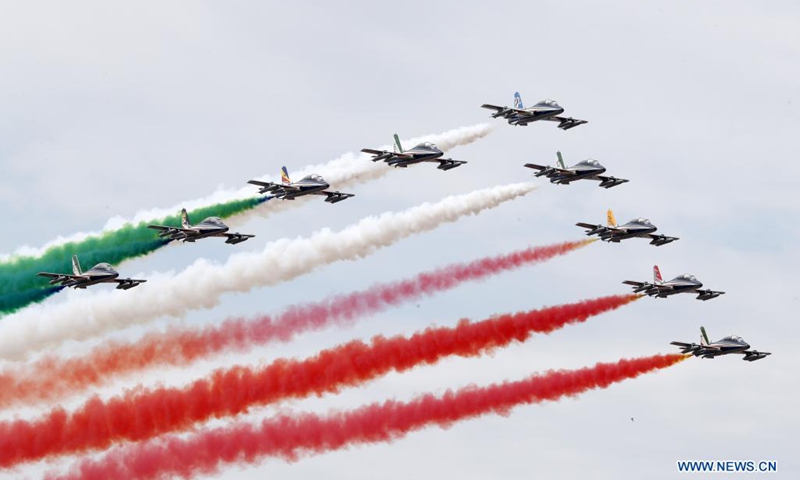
[
  {"x": 397, "y": 144},
  {"x": 703, "y": 336},
  {"x": 560, "y": 160},
  {"x": 518, "y": 101},
  {"x": 657, "y": 275},
  {"x": 285, "y": 176},
  {"x": 76, "y": 266},
  {"x": 612, "y": 222},
  {"x": 185, "y": 223}
]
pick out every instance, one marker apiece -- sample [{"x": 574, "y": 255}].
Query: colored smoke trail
[
  {"x": 125, "y": 239},
  {"x": 202, "y": 284},
  {"x": 292, "y": 437},
  {"x": 141, "y": 414},
  {"x": 53, "y": 377},
  {"x": 353, "y": 169},
  {"x": 20, "y": 286}
]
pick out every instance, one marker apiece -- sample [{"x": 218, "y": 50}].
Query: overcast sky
[{"x": 111, "y": 107}]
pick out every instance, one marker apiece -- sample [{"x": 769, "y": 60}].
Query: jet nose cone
[{"x": 746, "y": 345}]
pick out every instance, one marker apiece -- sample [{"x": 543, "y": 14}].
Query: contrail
[
  {"x": 53, "y": 377},
  {"x": 202, "y": 284},
  {"x": 292, "y": 437},
  {"x": 142, "y": 414},
  {"x": 20, "y": 286},
  {"x": 124, "y": 239}
]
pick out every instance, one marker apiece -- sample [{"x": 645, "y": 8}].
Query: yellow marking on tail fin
[{"x": 612, "y": 222}]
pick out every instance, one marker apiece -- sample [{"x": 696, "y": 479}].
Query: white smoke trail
[
  {"x": 343, "y": 172},
  {"x": 203, "y": 283},
  {"x": 355, "y": 168}
]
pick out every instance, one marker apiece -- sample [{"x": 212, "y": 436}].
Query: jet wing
[
  {"x": 64, "y": 279},
  {"x": 234, "y": 238},
  {"x": 174, "y": 233},
  {"x": 597, "y": 228},
  {"x": 647, "y": 287},
  {"x": 448, "y": 163},
  {"x": 268, "y": 187},
  {"x": 589, "y": 225},
  {"x": 385, "y": 154},
  {"x": 127, "y": 283},
  {"x": 753, "y": 355},
  {"x": 504, "y": 112},
  {"x": 687, "y": 347},
  {"x": 608, "y": 182},
  {"x": 565, "y": 123},
  {"x": 704, "y": 295},
  {"x": 543, "y": 170},
  {"x": 335, "y": 197},
  {"x": 659, "y": 240},
  {"x": 496, "y": 108}
]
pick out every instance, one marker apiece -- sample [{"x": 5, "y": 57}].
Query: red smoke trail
[
  {"x": 141, "y": 414},
  {"x": 292, "y": 437},
  {"x": 52, "y": 377}
]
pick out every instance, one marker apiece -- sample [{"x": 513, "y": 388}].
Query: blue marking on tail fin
[{"x": 518, "y": 101}]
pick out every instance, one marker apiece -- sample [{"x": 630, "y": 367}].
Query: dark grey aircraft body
[
  {"x": 308, "y": 185},
  {"x": 680, "y": 284},
  {"x": 100, "y": 273},
  {"x": 424, "y": 152},
  {"x": 636, "y": 228},
  {"x": 548, "y": 110},
  {"x": 210, "y": 227},
  {"x": 585, "y": 170},
  {"x": 726, "y": 346}
]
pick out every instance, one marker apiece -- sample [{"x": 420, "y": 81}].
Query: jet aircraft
[
  {"x": 210, "y": 227},
  {"x": 545, "y": 110},
  {"x": 681, "y": 284},
  {"x": 100, "y": 273},
  {"x": 639, "y": 227},
  {"x": 424, "y": 152},
  {"x": 726, "y": 346},
  {"x": 585, "y": 170},
  {"x": 308, "y": 185}
]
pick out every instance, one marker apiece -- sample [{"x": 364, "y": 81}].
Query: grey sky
[{"x": 112, "y": 108}]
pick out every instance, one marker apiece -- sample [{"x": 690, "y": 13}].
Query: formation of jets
[
  {"x": 726, "y": 346},
  {"x": 309, "y": 185},
  {"x": 424, "y": 152},
  {"x": 427, "y": 152},
  {"x": 636, "y": 228},
  {"x": 686, "y": 283},
  {"x": 100, "y": 273}
]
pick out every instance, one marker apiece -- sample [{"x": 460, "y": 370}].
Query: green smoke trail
[{"x": 19, "y": 285}]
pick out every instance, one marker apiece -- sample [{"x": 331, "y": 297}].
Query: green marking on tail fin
[
  {"x": 560, "y": 160},
  {"x": 397, "y": 144},
  {"x": 704, "y": 335}
]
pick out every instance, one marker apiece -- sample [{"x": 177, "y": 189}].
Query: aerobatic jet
[
  {"x": 548, "y": 110},
  {"x": 210, "y": 227},
  {"x": 726, "y": 346},
  {"x": 585, "y": 170},
  {"x": 308, "y": 185},
  {"x": 424, "y": 152},
  {"x": 680, "y": 284},
  {"x": 100, "y": 273},
  {"x": 638, "y": 227}
]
